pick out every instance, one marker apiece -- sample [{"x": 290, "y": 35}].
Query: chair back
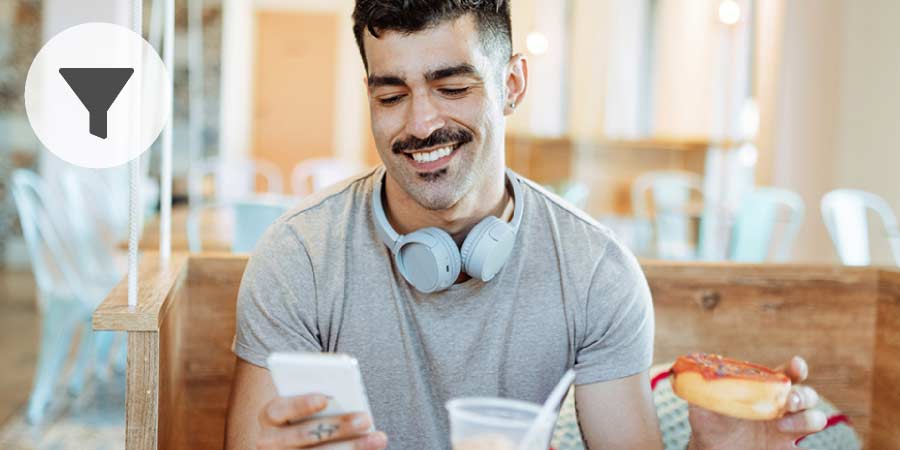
[
  {"x": 50, "y": 252},
  {"x": 232, "y": 179},
  {"x": 314, "y": 174},
  {"x": 98, "y": 221},
  {"x": 574, "y": 192},
  {"x": 671, "y": 191},
  {"x": 251, "y": 217},
  {"x": 844, "y": 213},
  {"x": 757, "y": 219}
]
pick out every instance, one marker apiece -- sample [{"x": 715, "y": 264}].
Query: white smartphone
[{"x": 332, "y": 374}]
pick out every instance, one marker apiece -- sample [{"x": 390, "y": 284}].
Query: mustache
[{"x": 437, "y": 138}]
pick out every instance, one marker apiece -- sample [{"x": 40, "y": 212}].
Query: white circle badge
[{"x": 97, "y": 95}]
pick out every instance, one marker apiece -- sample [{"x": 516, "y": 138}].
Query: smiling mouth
[{"x": 427, "y": 156}]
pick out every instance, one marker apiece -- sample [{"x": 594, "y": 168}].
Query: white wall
[
  {"x": 868, "y": 124},
  {"x": 838, "y": 110},
  {"x": 808, "y": 102},
  {"x": 628, "y": 35},
  {"x": 543, "y": 112},
  {"x": 700, "y": 69},
  {"x": 548, "y": 74},
  {"x": 587, "y": 68}
]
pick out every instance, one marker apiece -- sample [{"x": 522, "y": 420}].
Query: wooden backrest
[
  {"x": 845, "y": 321},
  {"x": 767, "y": 314},
  {"x": 195, "y": 340}
]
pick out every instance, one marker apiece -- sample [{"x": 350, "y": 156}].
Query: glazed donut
[{"x": 734, "y": 388}]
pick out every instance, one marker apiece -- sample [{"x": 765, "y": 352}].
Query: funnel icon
[{"x": 97, "y": 88}]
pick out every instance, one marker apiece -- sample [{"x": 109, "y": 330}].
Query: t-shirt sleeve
[
  {"x": 618, "y": 338},
  {"x": 276, "y": 306}
]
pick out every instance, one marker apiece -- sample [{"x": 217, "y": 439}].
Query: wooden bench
[{"x": 845, "y": 321}]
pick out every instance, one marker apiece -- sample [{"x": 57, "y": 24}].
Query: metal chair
[
  {"x": 95, "y": 221},
  {"x": 320, "y": 172},
  {"x": 635, "y": 233},
  {"x": 844, "y": 214},
  {"x": 752, "y": 236},
  {"x": 65, "y": 300},
  {"x": 232, "y": 178},
  {"x": 671, "y": 191},
  {"x": 251, "y": 218}
]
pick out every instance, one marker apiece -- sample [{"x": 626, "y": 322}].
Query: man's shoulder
[
  {"x": 324, "y": 217},
  {"x": 577, "y": 236},
  {"x": 333, "y": 204}
]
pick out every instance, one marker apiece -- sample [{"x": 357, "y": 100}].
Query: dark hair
[{"x": 410, "y": 16}]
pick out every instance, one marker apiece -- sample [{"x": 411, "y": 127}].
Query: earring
[{"x": 512, "y": 105}]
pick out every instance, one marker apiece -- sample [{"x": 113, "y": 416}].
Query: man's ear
[{"x": 516, "y": 82}]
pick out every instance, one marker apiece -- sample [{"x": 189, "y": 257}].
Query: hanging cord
[
  {"x": 165, "y": 191},
  {"x": 134, "y": 191}
]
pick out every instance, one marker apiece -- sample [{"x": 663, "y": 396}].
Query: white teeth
[{"x": 434, "y": 155}]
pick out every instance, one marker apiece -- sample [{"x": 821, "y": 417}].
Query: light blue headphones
[{"x": 428, "y": 258}]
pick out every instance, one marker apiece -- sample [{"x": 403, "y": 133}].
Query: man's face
[{"x": 436, "y": 99}]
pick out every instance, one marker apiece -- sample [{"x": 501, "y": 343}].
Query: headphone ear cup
[
  {"x": 428, "y": 259},
  {"x": 487, "y": 248}
]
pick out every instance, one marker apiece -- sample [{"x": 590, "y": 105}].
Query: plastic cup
[{"x": 487, "y": 423}]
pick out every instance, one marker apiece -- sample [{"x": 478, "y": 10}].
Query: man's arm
[
  {"x": 251, "y": 390},
  {"x": 618, "y": 414}
]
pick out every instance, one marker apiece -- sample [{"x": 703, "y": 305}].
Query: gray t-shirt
[{"x": 570, "y": 295}]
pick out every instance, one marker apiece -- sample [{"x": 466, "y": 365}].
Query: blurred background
[{"x": 760, "y": 131}]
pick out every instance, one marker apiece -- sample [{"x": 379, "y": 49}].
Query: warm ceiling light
[
  {"x": 537, "y": 43},
  {"x": 729, "y": 12}
]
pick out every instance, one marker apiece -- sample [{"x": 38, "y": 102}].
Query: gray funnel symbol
[{"x": 97, "y": 88}]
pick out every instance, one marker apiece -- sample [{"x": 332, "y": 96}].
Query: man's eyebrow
[
  {"x": 447, "y": 72},
  {"x": 434, "y": 75},
  {"x": 389, "y": 80}
]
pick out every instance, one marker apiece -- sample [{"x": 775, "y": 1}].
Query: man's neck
[{"x": 406, "y": 215}]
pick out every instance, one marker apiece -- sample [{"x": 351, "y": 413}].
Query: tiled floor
[{"x": 95, "y": 420}]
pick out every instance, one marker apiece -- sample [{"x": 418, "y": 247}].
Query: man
[{"x": 331, "y": 276}]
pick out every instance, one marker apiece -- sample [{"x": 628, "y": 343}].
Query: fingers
[
  {"x": 371, "y": 441},
  {"x": 802, "y": 423},
  {"x": 283, "y": 410},
  {"x": 796, "y": 369},
  {"x": 316, "y": 431},
  {"x": 802, "y": 398}
]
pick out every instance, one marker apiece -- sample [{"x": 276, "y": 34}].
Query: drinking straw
[{"x": 548, "y": 410}]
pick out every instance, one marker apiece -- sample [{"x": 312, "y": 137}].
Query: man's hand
[
  {"x": 285, "y": 424},
  {"x": 259, "y": 419},
  {"x": 712, "y": 431}
]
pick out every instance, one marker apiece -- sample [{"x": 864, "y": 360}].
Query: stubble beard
[{"x": 441, "y": 189}]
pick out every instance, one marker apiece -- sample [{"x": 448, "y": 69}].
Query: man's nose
[{"x": 424, "y": 117}]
